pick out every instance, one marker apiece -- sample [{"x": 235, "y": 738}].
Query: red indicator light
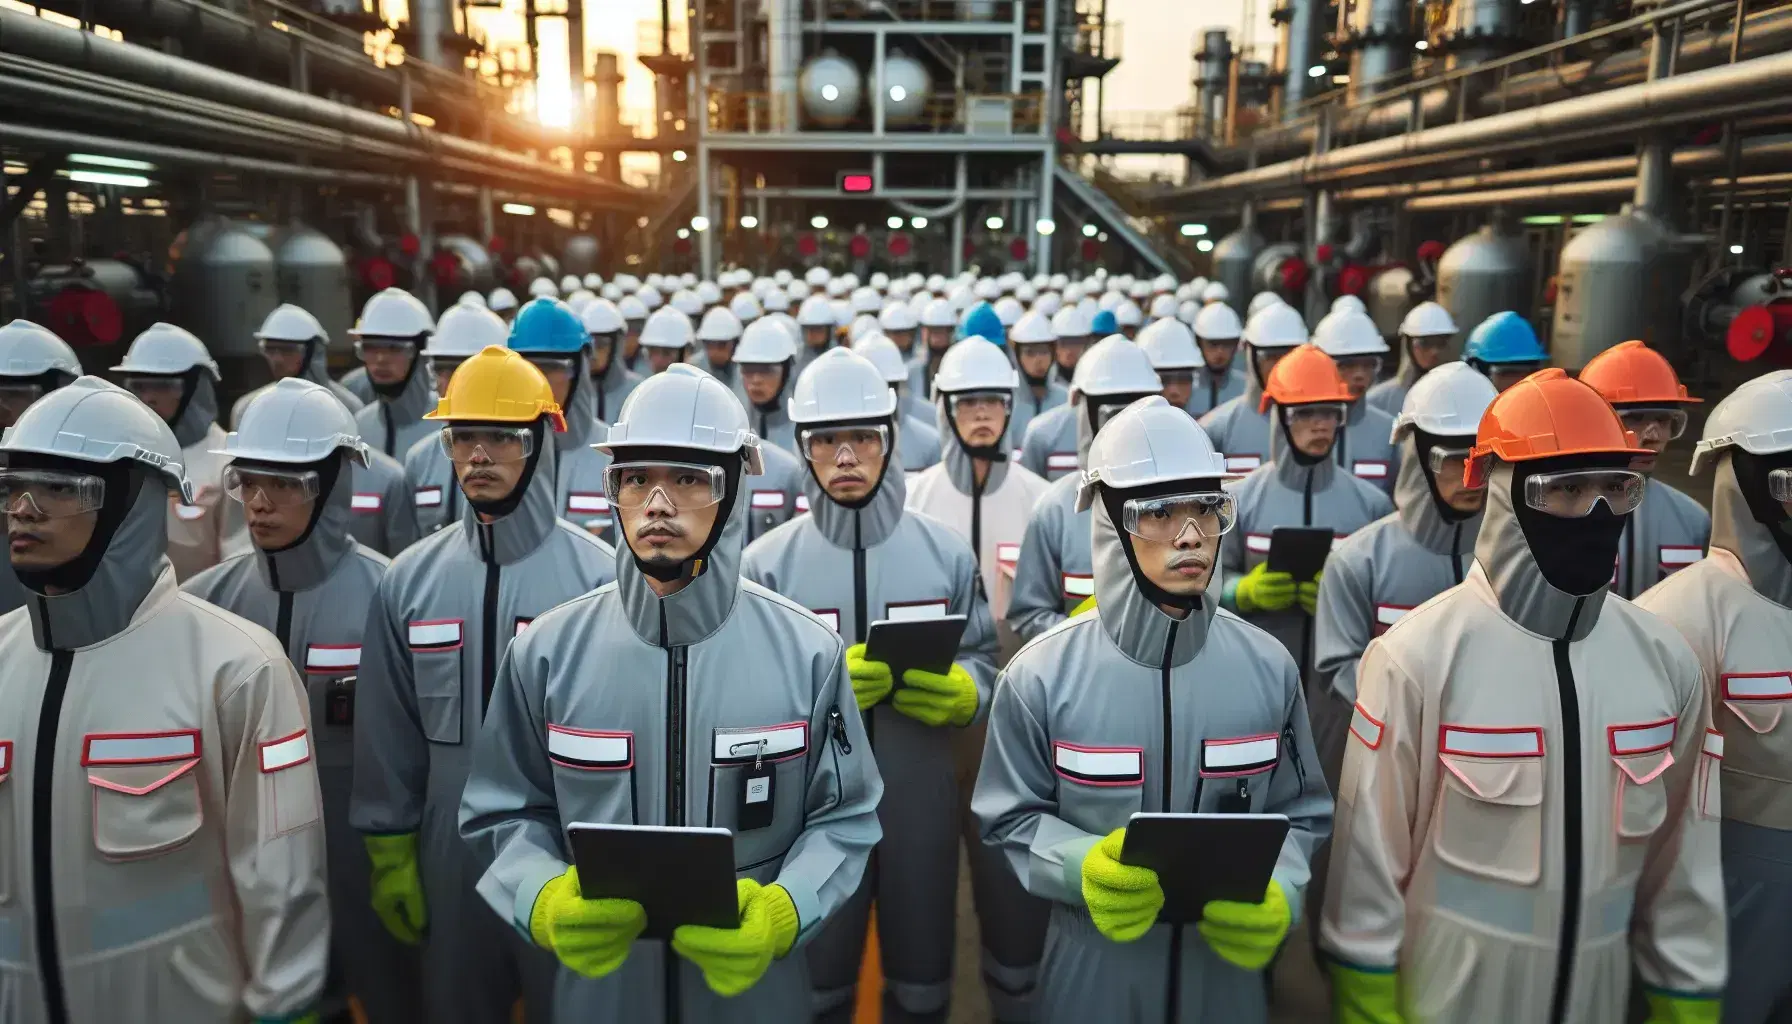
[{"x": 855, "y": 183}]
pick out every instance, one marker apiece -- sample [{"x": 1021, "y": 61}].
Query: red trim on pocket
[
  {"x": 1380, "y": 727},
  {"x": 1445, "y": 729},
  {"x": 262, "y": 753},
  {"x": 87, "y": 746},
  {"x": 1612, "y": 731}
]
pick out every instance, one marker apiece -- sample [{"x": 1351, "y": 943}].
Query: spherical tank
[
  {"x": 1614, "y": 284},
  {"x": 580, "y": 255},
  {"x": 473, "y": 263},
  {"x": 906, "y": 84},
  {"x": 1390, "y": 298},
  {"x": 1233, "y": 256},
  {"x": 225, "y": 288},
  {"x": 1481, "y": 275},
  {"x": 1270, "y": 272},
  {"x": 830, "y": 87},
  {"x": 312, "y": 273}
]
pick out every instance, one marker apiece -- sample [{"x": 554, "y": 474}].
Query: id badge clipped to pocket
[
  {"x": 756, "y": 803},
  {"x": 339, "y": 701}
]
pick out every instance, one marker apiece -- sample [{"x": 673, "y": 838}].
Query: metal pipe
[
  {"x": 56, "y": 138},
  {"x": 1303, "y": 30},
  {"x": 784, "y": 45},
  {"x": 427, "y": 17},
  {"x": 1379, "y": 40},
  {"x": 1213, "y": 66},
  {"x": 1603, "y": 188},
  {"x": 1652, "y": 167},
  {"x": 1705, "y": 158}
]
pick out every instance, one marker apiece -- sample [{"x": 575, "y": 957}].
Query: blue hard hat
[
  {"x": 1503, "y": 338},
  {"x": 981, "y": 320},
  {"x": 547, "y": 325},
  {"x": 1104, "y": 324}
]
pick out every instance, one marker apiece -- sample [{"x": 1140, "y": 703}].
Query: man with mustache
[
  {"x": 36, "y": 362},
  {"x": 855, "y": 559},
  {"x": 310, "y": 584},
  {"x": 445, "y": 613},
  {"x": 435, "y": 494},
  {"x": 162, "y": 843},
  {"x": 681, "y": 695},
  {"x": 1158, "y": 701}
]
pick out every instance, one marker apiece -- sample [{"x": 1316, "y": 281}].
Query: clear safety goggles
[
  {"x": 1162, "y": 520},
  {"x": 1779, "y": 484},
  {"x": 866, "y": 443},
  {"x": 147, "y": 387},
  {"x": 554, "y": 366},
  {"x": 1429, "y": 342},
  {"x": 49, "y": 493},
  {"x": 383, "y": 346},
  {"x": 1067, "y": 345},
  {"x": 1348, "y": 364},
  {"x": 1316, "y": 412},
  {"x": 281, "y": 487},
  {"x": 444, "y": 366},
  {"x": 1023, "y": 349},
  {"x": 686, "y": 486},
  {"x": 277, "y": 347},
  {"x": 1573, "y": 493},
  {"x": 1219, "y": 344},
  {"x": 1504, "y": 375},
  {"x": 976, "y": 404},
  {"x": 1172, "y": 378},
  {"x": 465, "y": 444},
  {"x": 1447, "y": 462},
  {"x": 1665, "y": 423},
  {"x": 16, "y": 398},
  {"x": 604, "y": 342}
]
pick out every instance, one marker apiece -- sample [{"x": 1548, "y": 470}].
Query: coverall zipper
[
  {"x": 1456, "y": 553},
  {"x": 1213, "y": 390},
  {"x": 283, "y": 612},
  {"x": 1629, "y": 557},
  {"x": 391, "y": 430},
  {"x": 43, "y": 805},
  {"x": 675, "y": 686},
  {"x": 1166, "y": 772},
  {"x": 1306, "y": 621},
  {"x": 1572, "y": 853},
  {"x": 488, "y": 650},
  {"x": 860, "y": 613},
  {"x": 976, "y": 519}
]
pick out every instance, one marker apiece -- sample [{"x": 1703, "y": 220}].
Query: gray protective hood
[
  {"x": 201, "y": 411},
  {"x": 104, "y": 605},
  {"x": 958, "y": 462},
  {"x": 417, "y": 398},
  {"x": 1417, "y": 508},
  {"x": 312, "y": 560},
  {"x": 1289, "y": 469},
  {"x": 1734, "y": 528},
  {"x": 1409, "y": 372},
  {"x": 1525, "y": 596},
  {"x": 1133, "y": 621},
  {"x": 512, "y": 537},
  {"x": 317, "y": 363},
  {"x": 700, "y": 607},
  {"x": 766, "y": 419},
  {"x": 859, "y": 527},
  {"x": 581, "y": 408}
]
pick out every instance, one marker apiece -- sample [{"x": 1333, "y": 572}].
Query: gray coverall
[
  {"x": 851, "y": 568},
  {"x": 315, "y": 369},
  {"x": 314, "y": 598},
  {"x": 1028, "y": 407},
  {"x": 1667, "y": 532},
  {"x": 772, "y": 495},
  {"x": 1286, "y": 493},
  {"x": 1215, "y": 389},
  {"x": 579, "y": 468},
  {"x": 1124, "y": 682},
  {"x": 1050, "y": 445},
  {"x": 392, "y": 424},
  {"x": 1363, "y": 448},
  {"x": 1390, "y": 395},
  {"x": 358, "y": 384},
  {"x": 1055, "y": 572},
  {"x": 211, "y": 529},
  {"x": 381, "y": 513},
  {"x": 1735, "y": 609},
  {"x": 613, "y": 385},
  {"x": 917, "y": 444},
  {"x": 445, "y": 612},
  {"x": 771, "y": 421},
  {"x": 1240, "y": 430},
  {"x": 742, "y": 665}
]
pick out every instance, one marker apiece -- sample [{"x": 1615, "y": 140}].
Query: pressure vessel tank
[
  {"x": 311, "y": 272},
  {"x": 1483, "y": 274},
  {"x": 830, "y": 87},
  {"x": 906, "y": 85},
  {"x": 1618, "y": 280}
]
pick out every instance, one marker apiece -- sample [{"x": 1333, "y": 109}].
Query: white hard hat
[
  {"x": 879, "y": 281},
  {"x": 501, "y": 300},
  {"x": 797, "y": 290},
  {"x": 1215, "y": 292},
  {"x": 765, "y": 341},
  {"x": 1261, "y": 301},
  {"x": 1086, "y": 306},
  {"x": 1048, "y": 304},
  {"x": 1057, "y": 282},
  {"x": 1008, "y": 310},
  {"x": 817, "y": 277},
  {"x": 465, "y": 331},
  {"x": 1110, "y": 301},
  {"x": 686, "y": 301},
  {"x": 29, "y": 350},
  {"x": 1187, "y": 311},
  {"x": 1148, "y": 443},
  {"x": 627, "y": 282},
  {"x": 1349, "y": 302},
  {"x": 815, "y": 311},
  {"x": 1035, "y": 328},
  {"x": 1448, "y": 402},
  {"x": 838, "y": 288},
  {"x": 1187, "y": 291},
  {"x": 611, "y": 291},
  {"x": 579, "y": 299},
  {"x": 1163, "y": 307},
  {"x": 473, "y": 297},
  {"x": 782, "y": 278},
  {"x": 761, "y": 287},
  {"x": 1348, "y": 332},
  {"x": 719, "y": 325},
  {"x": 569, "y": 283},
  {"x": 960, "y": 298},
  {"x": 602, "y": 317},
  {"x": 667, "y": 328},
  {"x": 842, "y": 310},
  {"x": 684, "y": 408},
  {"x": 1026, "y": 294},
  {"x": 1139, "y": 290},
  {"x": 939, "y": 313},
  {"x": 94, "y": 420},
  {"x": 987, "y": 289},
  {"x": 1756, "y": 417},
  {"x": 1071, "y": 322},
  {"x": 686, "y": 279},
  {"x": 1218, "y": 322},
  {"x": 167, "y": 349},
  {"x": 866, "y": 300},
  {"x": 775, "y": 300},
  {"x": 934, "y": 283},
  {"x": 1277, "y": 325},
  {"x": 1127, "y": 314},
  {"x": 1169, "y": 345},
  {"x": 898, "y": 317},
  {"x": 1163, "y": 283},
  {"x": 707, "y": 292},
  {"x": 394, "y": 313},
  {"x": 839, "y": 386},
  {"x": 1427, "y": 320},
  {"x": 975, "y": 364},
  {"x": 884, "y": 355},
  {"x": 632, "y": 308},
  {"x": 542, "y": 286},
  {"x": 296, "y": 422},
  {"x": 861, "y": 325},
  {"x": 1115, "y": 366},
  {"x": 650, "y": 297},
  {"x": 593, "y": 281},
  {"x": 1040, "y": 282},
  {"x": 293, "y": 323},
  {"x": 745, "y": 307}
]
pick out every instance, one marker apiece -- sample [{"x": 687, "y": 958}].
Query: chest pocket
[
  {"x": 594, "y": 774},
  {"x": 330, "y": 673},
  {"x": 436, "y": 649},
  {"x": 145, "y": 791},
  {"x": 1763, "y": 748},
  {"x": 749, "y": 769},
  {"x": 1490, "y": 803},
  {"x": 1099, "y": 788},
  {"x": 1235, "y": 772},
  {"x": 366, "y": 502},
  {"x": 1640, "y": 754}
]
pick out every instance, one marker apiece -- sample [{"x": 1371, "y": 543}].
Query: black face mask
[
  {"x": 997, "y": 452},
  {"x": 396, "y": 388},
  {"x": 1115, "y": 502},
  {"x": 876, "y": 485},
  {"x": 508, "y": 504},
  {"x": 124, "y": 480},
  {"x": 732, "y": 468},
  {"x": 328, "y": 470},
  {"x": 1751, "y": 476},
  {"x": 1576, "y": 556},
  {"x": 1423, "y": 443},
  {"x": 1300, "y": 458}
]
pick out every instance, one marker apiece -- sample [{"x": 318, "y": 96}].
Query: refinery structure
[{"x": 1618, "y": 170}]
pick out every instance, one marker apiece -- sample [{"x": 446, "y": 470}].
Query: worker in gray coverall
[
  {"x": 444, "y": 614},
  {"x": 1033, "y": 346},
  {"x": 609, "y": 376},
  {"x": 1158, "y": 701},
  {"x": 461, "y": 333},
  {"x": 310, "y": 584},
  {"x": 295, "y": 345},
  {"x": 1240, "y": 427},
  {"x": 1055, "y": 574},
  {"x": 719, "y": 704},
  {"x": 389, "y": 338},
  {"x": 550, "y": 335},
  {"x": 33, "y": 363},
  {"x": 855, "y": 559},
  {"x": 766, "y": 356}
]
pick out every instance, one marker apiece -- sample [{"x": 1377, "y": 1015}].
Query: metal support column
[
  {"x": 1042, "y": 244},
  {"x": 706, "y": 246},
  {"x": 961, "y": 181}
]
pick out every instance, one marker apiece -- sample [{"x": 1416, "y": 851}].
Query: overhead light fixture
[
  {"x": 830, "y": 92},
  {"x": 1205, "y": 245},
  {"x": 1045, "y": 226},
  {"x": 1421, "y": 45},
  {"x": 120, "y": 163},
  {"x": 1102, "y": 237},
  {"x": 699, "y": 223},
  {"x": 1544, "y": 220},
  {"x": 1340, "y": 79},
  {"x": 1193, "y": 230},
  {"x": 818, "y": 222},
  {"x": 1587, "y": 218},
  {"x": 109, "y": 178},
  {"x": 749, "y": 221},
  {"x": 1089, "y": 230},
  {"x": 678, "y": 156},
  {"x": 898, "y": 94},
  {"x": 894, "y": 222},
  {"x": 917, "y": 222},
  {"x": 684, "y": 232},
  {"x": 993, "y": 223},
  {"x": 1735, "y": 250},
  {"x": 520, "y": 209},
  {"x": 1316, "y": 71}
]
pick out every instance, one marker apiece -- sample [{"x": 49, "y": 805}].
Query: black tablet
[
  {"x": 1299, "y": 551},
  {"x": 1203, "y": 857},
  {"x": 679, "y": 875},
  {"x": 930, "y": 644}
]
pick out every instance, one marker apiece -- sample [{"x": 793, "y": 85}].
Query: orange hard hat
[
  {"x": 1304, "y": 375},
  {"x": 1632, "y": 373},
  {"x": 1544, "y": 415}
]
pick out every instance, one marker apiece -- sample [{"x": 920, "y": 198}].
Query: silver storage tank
[
  {"x": 1389, "y": 298},
  {"x": 1483, "y": 274},
  {"x": 1267, "y": 275},
  {"x": 224, "y": 286},
  {"x": 1233, "y": 257},
  {"x": 311, "y": 272},
  {"x": 579, "y": 256},
  {"x": 1619, "y": 280},
  {"x": 474, "y": 266}
]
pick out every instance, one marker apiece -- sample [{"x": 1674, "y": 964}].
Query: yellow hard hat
[{"x": 498, "y": 386}]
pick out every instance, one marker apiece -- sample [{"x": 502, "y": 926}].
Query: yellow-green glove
[
  {"x": 1364, "y": 997},
  {"x": 1308, "y": 593},
  {"x": 397, "y": 889},
  {"x": 1123, "y": 899},
  {"x": 1247, "y": 935},
  {"x": 1083, "y": 606},
  {"x": 734, "y": 959},
  {"x": 592, "y": 937},
  {"x": 937, "y": 700},
  {"x": 871, "y": 680},
  {"x": 1666, "y": 1009},
  {"x": 1263, "y": 591}
]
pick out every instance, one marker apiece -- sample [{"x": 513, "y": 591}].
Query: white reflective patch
[
  {"x": 913, "y": 611},
  {"x": 435, "y": 634},
  {"x": 1522, "y": 741},
  {"x": 768, "y": 499},
  {"x": 332, "y": 657},
  {"x": 5, "y": 756},
  {"x": 1220, "y": 755},
  {"x": 1714, "y": 743},
  {"x": 1370, "y": 469},
  {"x": 427, "y": 497},
  {"x": 1078, "y": 585},
  {"x": 1365, "y": 728},
  {"x": 767, "y": 743},
  {"x": 1008, "y": 553},
  {"x": 1678, "y": 555},
  {"x": 1060, "y": 462},
  {"x": 829, "y": 616},
  {"x": 591, "y": 749},
  {"x": 1757, "y": 686},
  {"x": 1643, "y": 739},
  {"x": 802, "y": 503},
  {"x": 1243, "y": 463},
  {"x": 188, "y": 512},
  {"x": 140, "y": 748},
  {"x": 1113, "y": 766},
  {"x": 1257, "y": 542},
  {"x": 285, "y": 753},
  {"x": 1388, "y": 614},
  {"x": 363, "y": 502},
  {"x": 587, "y": 503}
]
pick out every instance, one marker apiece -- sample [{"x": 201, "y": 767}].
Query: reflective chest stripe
[
  {"x": 763, "y": 743},
  {"x": 1060, "y": 462},
  {"x": 1078, "y": 584},
  {"x": 1756, "y": 685},
  {"x": 1644, "y": 738},
  {"x": 911, "y": 611},
  {"x": 1714, "y": 744},
  {"x": 1504, "y": 741},
  {"x": 435, "y": 635},
  {"x": 831, "y": 616},
  {"x": 427, "y": 497},
  {"x": 765, "y": 500},
  {"x": 365, "y": 502},
  {"x": 1365, "y": 727},
  {"x": 591, "y": 750},
  {"x": 286, "y": 752},
  {"x": 139, "y": 747},
  {"x": 188, "y": 512},
  {"x": 5, "y": 757},
  {"x": 1099, "y": 766},
  {"x": 1245, "y": 755},
  {"x": 1243, "y": 463},
  {"x": 323, "y": 659},
  {"x": 1388, "y": 614},
  {"x": 1257, "y": 543},
  {"x": 1008, "y": 554},
  {"x": 1679, "y": 556},
  {"x": 802, "y": 503},
  {"x": 1370, "y": 469},
  {"x": 584, "y": 502}
]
